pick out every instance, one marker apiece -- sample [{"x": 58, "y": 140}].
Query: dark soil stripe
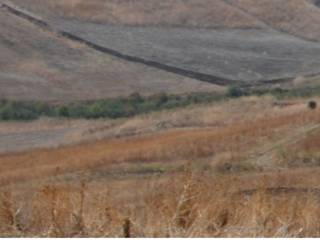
[{"x": 179, "y": 71}]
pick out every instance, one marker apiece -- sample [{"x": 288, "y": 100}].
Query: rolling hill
[
  {"x": 39, "y": 65},
  {"x": 100, "y": 49},
  {"x": 169, "y": 13},
  {"x": 239, "y": 157},
  {"x": 233, "y": 159},
  {"x": 298, "y": 17}
]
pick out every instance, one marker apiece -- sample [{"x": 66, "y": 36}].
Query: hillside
[
  {"x": 159, "y": 118},
  {"x": 249, "y": 55},
  {"x": 298, "y": 17},
  {"x": 39, "y": 65},
  {"x": 167, "y": 13},
  {"x": 222, "y": 55},
  {"x": 231, "y": 161}
]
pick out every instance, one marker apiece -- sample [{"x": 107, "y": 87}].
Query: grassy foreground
[{"x": 247, "y": 167}]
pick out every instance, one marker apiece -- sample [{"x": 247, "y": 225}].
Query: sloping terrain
[
  {"x": 169, "y": 13},
  {"x": 221, "y": 164},
  {"x": 49, "y": 133},
  {"x": 198, "y": 121},
  {"x": 39, "y": 65},
  {"x": 246, "y": 55},
  {"x": 298, "y": 17},
  {"x": 250, "y": 52},
  {"x": 245, "y": 165}
]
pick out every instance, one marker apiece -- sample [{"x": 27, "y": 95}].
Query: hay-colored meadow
[{"x": 247, "y": 167}]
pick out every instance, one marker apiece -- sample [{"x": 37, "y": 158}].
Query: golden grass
[
  {"x": 238, "y": 179},
  {"x": 211, "y": 116},
  {"x": 306, "y": 152},
  {"x": 168, "y": 146},
  {"x": 189, "y": 204}
]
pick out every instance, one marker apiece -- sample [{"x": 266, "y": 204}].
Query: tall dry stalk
[
  {"x": 126, "y": 228},
  {"x": 8, "y": 214},
  {"x": 186, "y": 212},
  {"x": 79, "y": 218},
  {"x": 51, "y": 194}
]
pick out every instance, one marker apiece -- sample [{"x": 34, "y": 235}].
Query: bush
[
  {"x": 136, "y": 98},
  {"x": 161, "y": 99},
  {"x": 63, "y": 111},
  {"x": 235, "y": 92},
  {"x": 312, "y": 105},
  {"x": 17, "y": 111},
  {"x": 77, "y": 111}
]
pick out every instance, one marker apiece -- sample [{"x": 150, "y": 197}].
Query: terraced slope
[{"x": 39, "y": 65}]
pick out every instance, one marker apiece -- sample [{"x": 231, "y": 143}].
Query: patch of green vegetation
[
  {"x": 108, "y": 108},
  {"x": 136, "y": 104},
  {"x": 279, "y": 93},
  {"x": 297, "y": 93},
  {"x": 236, "y": 91}
]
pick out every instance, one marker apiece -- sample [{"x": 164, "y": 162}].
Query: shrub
[
  {"x": 95, "y": 110},
  {"x": 115, "y": 109},
  {"x": 161, "y": 99},
  {"x": 235, "y": 91},
  {"x": 312, "y": 105},
  {"x": 136, "y": 98},
  {"x": 17, "y": 111},
  {"x": 63, "y": 111},
  {"x": 78, "y": 111}
]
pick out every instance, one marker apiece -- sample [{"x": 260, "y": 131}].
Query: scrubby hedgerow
[{"x": 135, "y": 104}]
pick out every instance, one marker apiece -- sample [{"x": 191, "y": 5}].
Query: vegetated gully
[{"x": 172, "y": 69}]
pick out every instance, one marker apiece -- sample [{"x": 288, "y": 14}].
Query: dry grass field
[
  {"x": 246, "y": 167},
  {"x": 243, "y": 163}
]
